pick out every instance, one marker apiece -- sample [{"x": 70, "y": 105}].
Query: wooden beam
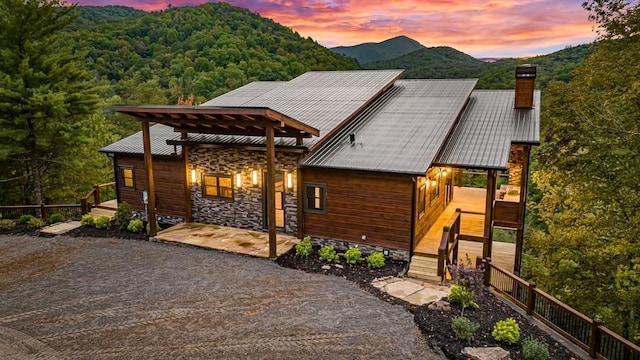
[
  {"x": 524, "y": 180},
  {"x": 249, "y": 131},
  {"x": 488, "y": 213},
  {"x": 271, "y": 192},
  {"x": 148, "y": 163}
]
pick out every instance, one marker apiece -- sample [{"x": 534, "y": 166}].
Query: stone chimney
[{"x": 525, "y": 84}]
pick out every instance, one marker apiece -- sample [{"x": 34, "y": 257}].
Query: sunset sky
[{"x": 481, "y": 28}]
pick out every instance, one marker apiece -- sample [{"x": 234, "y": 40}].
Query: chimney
[{"x": 525, "y": 84}]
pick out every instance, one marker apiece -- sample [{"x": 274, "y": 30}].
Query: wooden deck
[{"x": 472, "y": 200}]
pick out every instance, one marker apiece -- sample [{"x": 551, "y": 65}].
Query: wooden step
[
  {"x": 424, "y": 267},
  {"x": 97, "y": 212}
]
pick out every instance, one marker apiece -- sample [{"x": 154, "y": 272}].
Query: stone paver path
[
  {"x": 61, "y": 228},
  {"x": 73, "y": 298},
  {"x": 414, "y": 291}
]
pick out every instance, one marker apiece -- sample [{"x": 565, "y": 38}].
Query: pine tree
[{"x": 46, "y": 96}]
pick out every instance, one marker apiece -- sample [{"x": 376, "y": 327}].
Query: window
[
  {"x": 126, "y": 177},
  {"x": 217, "y": 186},
  {"x": 434, "y": 189},
  {"x": 315, "y": 198},
  {"x": 422, "y": 198}
]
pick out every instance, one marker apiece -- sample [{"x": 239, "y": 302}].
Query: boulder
[
  {"x": 440, "y": 305},
  {"x": 486, "y": 353}
]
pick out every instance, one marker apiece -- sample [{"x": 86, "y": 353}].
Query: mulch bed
[{"x": 113, "y": 232}]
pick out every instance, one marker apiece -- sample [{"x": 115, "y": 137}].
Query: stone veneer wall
[
  {"x": 245, "y": 209},
  {"x": 162, "y": 219},
  {"x": 339, "y": 246}
]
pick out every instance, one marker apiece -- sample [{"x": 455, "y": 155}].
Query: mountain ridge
[{"x": 377, "y": 51}]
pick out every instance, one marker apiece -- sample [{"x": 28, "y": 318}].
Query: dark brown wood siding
[
  {"x": 434, "y": 207},
  {"x": 362, "y": 203},
  {"x": 169, "y": 176}
]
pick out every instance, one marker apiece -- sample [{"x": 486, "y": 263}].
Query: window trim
[
  {"x": 203, "y": 187},
  {"x": 422, "y": 199},
  {"x": 436, "y": 190},
  {"x": 323, "y": 198},
  {"x": 121, "y": 169}
]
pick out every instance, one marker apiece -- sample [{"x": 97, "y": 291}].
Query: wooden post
[
  {"x": 524, "y": 179},
  {"x": 488, "y": 213},
  {"x": 271, "y": 192},
  {"x": 43, "y": 212},
  {"x": 531, "y": 297},
  {"x": 487, "y": 271},
  {"x": 187, "y": 184},
  {"x": 594, "y": 338},
  {"x": 148, "y": 163},
  {"x": 300, "y": 203},
  {"x": 96, "y": 195}
]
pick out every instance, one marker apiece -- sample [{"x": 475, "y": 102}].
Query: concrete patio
[{"x": 239, "y": 241}]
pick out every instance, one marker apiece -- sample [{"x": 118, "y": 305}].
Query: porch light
[
  {"x": 238, "y": 181},
  {"x": 194, "y": 177},
  {"x": 254, "y": 177},
  {"x": 289, "y": 180},
  {"x": 434, "y": 183}
]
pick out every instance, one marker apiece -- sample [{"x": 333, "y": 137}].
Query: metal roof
[
  {"x": 133, "y": 144},
  {"x": 490, "y": 123},
  {"x": 402, "y": 132},
  {"x": 242, "y": 95}
]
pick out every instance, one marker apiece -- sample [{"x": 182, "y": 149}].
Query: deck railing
[
  {"x": 589, "y": 334},
  {"x": 99, "y": 193},
  {"x": 69, "y": 211},
  {"x": 448, "y": 250}
]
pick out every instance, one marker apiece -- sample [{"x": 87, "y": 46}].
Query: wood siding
[
  {"x": 424, "y": 220},
  {"x": 362, "y": 203},
  {"x": 169, "y": 175}
]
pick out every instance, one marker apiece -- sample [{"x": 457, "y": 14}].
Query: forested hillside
[{"x": 372, "y": 52}]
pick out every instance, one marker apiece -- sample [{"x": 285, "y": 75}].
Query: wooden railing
[
  {"x": 589, "y": 334},
  {"x": 99, "y": 193},
  {"x": 448, "y": 250},
  {"x": 69, "y": 211}
]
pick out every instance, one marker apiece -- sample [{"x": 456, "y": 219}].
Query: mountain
[
  {"x": 92, "y": 15},
  {"x": 371, "y": 52},
  {"x": 440, "y": 62}
]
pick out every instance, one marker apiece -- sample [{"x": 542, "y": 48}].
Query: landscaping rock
[
  {"x": 326, "y": 267},
  {"x": 339, "y": 266},
  {"x": 489, "y": 353},
  {"x": 440, "y": 305}
]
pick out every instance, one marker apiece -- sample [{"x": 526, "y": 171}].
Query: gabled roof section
[
  {"x": 244, "y": 94},
  {"x": 490, "y": 123},
  {"x": 402, "y": 132},
  {"x": 133, "y": 144}
]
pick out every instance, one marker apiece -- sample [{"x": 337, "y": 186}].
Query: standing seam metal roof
[
  {"x": 401, "y": 132},
  {"x": 490, "y": 123},
  {"x": 133, "y": 144}
]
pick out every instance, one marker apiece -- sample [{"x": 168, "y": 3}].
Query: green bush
[
  {"x": 304, "y": 248},
  {"x": 135, "y": 226},
  {"x": 327, "y": 253},
  {"x": 506, "y": 330},
  {"x": 56, "y": 218},
  {"x": 375, "y": 260},
  {"x": 87, "y": 220},
  {"x": 533, "y": 349},
  {"x": 464, "y": 328},
  {"x": 35, "y": 223},
  {"x": 353, "y": 255},
  {"x": 24, "y": 219},
  {"x": 123, "y": 215},
  {"x": 463, "y": 296},
  {"x": 102, "y": 222},
  {"x": 7, "y": 224}
]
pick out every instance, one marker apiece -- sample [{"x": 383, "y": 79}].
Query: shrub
[
  {"x": 135, "y": 226},
  {"x": 123, "y": 215},
  {"x": 7, "y": 224},
  {"x": 304, "y": 248},
  {"x": 35, "y": 223},
  {"x": 353, "y": 255},
  {"x": 375, "y": 260},
  {"x": 464, "y": 328},
  {"x": 327, "y": 253},
  {"x": 102, "y": 222},
  {"x": 533, "y": 349},
  {"x": 24, "y": 219},
  {"x": 506, "y": 330},
  {"x": 56, "y": 218},
  {"x": 87, "y": 220},
  {"x": 463, "y": 296},
  {"x": 467, "y": 276}
]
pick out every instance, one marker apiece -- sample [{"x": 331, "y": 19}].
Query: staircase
[
  {"x": 107, "y": 208},
  {"x": 424, "y": 267}
]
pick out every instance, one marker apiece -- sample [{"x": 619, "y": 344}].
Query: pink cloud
[{"x": 478, "y": 27}]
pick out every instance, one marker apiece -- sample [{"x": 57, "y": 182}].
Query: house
[{"x": 346, "y": 157}]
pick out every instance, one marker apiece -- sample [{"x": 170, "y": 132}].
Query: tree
[
  {"x": 46, "y": 97},
  {"x": 589, "y": 163}
]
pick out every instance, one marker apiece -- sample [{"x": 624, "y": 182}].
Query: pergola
[{"x": 225, "y": 121}]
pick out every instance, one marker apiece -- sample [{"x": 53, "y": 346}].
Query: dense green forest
[{"x": 385, "y": 50}]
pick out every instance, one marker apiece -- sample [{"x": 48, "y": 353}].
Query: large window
[
  {"x": 126, "y": 178},
  {"x": 422, "y": 199},
  {"x": 315, "y": 198},
  {"x": 434, "y": 189},
  {"x": 217, "y": 186}
]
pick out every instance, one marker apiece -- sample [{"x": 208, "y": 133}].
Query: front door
[{"x": 279, "y": 181}]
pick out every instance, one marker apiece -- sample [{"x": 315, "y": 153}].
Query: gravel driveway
[{"x": 72, "y": 298}]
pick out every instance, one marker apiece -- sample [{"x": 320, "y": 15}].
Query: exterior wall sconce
[
  {"x": 434, "y": 183},
  {"x": 254, "y": 177},
  {"x": 289, "y": 180},
  {"x": 194, "y": 177},
  {"x": 238, "y": 180}
]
